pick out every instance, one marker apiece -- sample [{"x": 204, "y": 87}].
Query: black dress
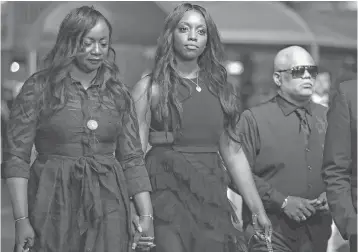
[
  {"x": 187, "y": 176},
  {"x": 80, "y": 183}
]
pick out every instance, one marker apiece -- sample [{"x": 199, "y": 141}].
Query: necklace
[{"x": 198, "y": 88}]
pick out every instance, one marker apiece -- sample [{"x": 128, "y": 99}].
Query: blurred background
[{"x": 252, "y": 33}]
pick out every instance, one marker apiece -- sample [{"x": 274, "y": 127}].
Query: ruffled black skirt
[{"x": 190, "y": 195}]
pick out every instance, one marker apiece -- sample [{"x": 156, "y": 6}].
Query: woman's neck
[
  {"x": 187, "y": 69},
  {"x": 81, "y": 76}
]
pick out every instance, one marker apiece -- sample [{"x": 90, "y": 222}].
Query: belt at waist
[
  {"x": 167, "y": 138},
  {"x": 160, "y": 138},
  {"x": 193, "y": 149},
  {"x": 77, "y": 150}
]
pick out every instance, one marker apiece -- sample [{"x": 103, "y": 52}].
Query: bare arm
[
  {"x": 143, "y": 203},
  {"x": 18, "y": 193},
  {"x": 249, "y": 140},
  {"x": 142, "y": 106},
  {"x": 240, "y": 171},
  {"x": 130, "y": 154}
]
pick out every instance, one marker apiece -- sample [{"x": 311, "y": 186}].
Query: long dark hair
[
  {"x": 60, "y": 59},
  {"x": 210, "y": 62}
]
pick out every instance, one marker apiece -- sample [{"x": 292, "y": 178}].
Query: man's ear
[{"x": 277, "y": 78}]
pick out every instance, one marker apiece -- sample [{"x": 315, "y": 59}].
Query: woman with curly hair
[
  {"x": 183, "y": 107},
  {"x": 81, "y": 118}
]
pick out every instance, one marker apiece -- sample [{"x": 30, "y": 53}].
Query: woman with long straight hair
[
  {"x": 81, "y": 118},
  {"x": 183, "y": 107}
]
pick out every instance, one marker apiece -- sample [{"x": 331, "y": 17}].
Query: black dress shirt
[{"x": 284, "y": 160}]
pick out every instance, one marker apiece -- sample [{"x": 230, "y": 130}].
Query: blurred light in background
[
  {"x": 149, "y": 52},
  {"x": 352, "y": 5},
  {"x": 234, "y": 67},
  {"x": 14, "y": 67}
]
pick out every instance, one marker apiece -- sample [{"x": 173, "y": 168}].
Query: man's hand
[
  {"x": 320, "y": 204},
  {"x": 299, "y": 209}
]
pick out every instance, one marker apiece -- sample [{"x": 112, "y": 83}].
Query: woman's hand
[
  {"x": 262, "y": 226},
  {"x": 24, "y": 235},
  {"x": 136, "y": 229},
  {"x": 147, "y": 236},
  {"x": 142, "y": 230}
]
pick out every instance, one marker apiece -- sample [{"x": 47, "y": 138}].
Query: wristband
[
  {"x": 284, "y": 204},
  {"x": 21, "y": 218},
  {"x": 147, "y": 215}
]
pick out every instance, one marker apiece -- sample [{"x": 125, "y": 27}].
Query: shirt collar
[
  {"x": 74, "y": 80},
  {"x": 288, "y": 107}
]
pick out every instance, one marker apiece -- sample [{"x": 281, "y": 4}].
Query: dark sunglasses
[{"x": 299, "y": 71}]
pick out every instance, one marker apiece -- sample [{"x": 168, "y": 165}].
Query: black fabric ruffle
[{"x": 189, "y": 195}]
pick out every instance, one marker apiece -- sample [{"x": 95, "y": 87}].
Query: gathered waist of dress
[
  {"x": 93, "y": 167},
  {"x": 77, "y": 150},
  {"x": 160, "y": 138}
]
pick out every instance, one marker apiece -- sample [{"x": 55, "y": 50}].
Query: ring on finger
[{"x": 146, "y": 238}]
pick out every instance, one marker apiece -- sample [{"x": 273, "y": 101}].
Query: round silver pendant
[
  {"x": 198, "y": 89},
  {"x": 92, "y": 124}
]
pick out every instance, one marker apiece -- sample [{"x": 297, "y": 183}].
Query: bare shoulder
[
  {"x": 141, "y": 88},
  {"x": 147, "y": 90}
]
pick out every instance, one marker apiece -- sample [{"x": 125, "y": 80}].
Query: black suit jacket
[{"x": 340, "y": 157}]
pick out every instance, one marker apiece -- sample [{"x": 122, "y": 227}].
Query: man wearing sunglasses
[
  {"x": 340, "y": 160},
  {"x": 283, "y": 141}
]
